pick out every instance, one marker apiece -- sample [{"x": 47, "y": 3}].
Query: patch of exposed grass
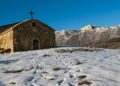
[
  {"x": 82, "y": 76},
  {"x": 12, "y": 82},
  {"x": 87, "y": 49},
  {"x": 13, "y": 71},
  {"x": 85, "y": 82},
  {"x": 52, "y": 79},
  {"x": 46, "y": 55},
  {"x": 78, "y": 62},
  {"x": 64, "y": 51},
  {"x": 57, "y": 68}
]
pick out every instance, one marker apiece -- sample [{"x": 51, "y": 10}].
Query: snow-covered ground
[{"x": 70, "y": 66}]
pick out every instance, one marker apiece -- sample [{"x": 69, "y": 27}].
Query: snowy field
[{"x": 68, "y": 66}]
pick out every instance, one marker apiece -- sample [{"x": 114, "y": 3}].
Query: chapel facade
[{"x": 27, "y": 35}]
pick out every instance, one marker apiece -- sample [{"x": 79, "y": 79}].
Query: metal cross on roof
[{"x": 31, "y": 14}]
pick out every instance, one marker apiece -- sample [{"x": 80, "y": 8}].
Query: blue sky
[{"x": 62, "y": 14}]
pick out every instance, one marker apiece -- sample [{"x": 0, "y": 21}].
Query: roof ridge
[
  {"x": 12, "y": 26},
  {"x": 19, "y": 24}
]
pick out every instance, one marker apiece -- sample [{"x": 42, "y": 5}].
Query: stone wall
[
  {"x": 25, "y": 33},
  {"x": 6, "y": 41}
]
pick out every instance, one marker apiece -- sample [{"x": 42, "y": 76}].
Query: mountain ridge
[{"x": 91, "y": 36}]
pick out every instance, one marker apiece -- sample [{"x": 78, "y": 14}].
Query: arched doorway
[{"x": 35, "y": 44}]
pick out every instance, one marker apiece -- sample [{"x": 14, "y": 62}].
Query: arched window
[
  {"x": 35, "y": 44},
  {"x": 33, "y": 24}
]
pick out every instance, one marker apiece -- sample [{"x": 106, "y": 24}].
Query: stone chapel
[{"x": 27, "y": 35}]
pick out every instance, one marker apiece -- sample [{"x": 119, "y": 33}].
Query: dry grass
[
  {"x": 12, "y": 82},
  {"x": 57, "y": 68},
  {"x": 88, "y": 49},
  {"x": 82, "y": 76},
  {"x": 85, "y": 82}
]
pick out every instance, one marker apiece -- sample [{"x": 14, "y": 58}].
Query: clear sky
[{"x": 62, "y": 14}]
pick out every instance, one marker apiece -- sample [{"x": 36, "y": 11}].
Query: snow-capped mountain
[{"x": 107, "y": 37}]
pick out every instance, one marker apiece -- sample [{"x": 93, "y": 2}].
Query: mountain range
[{"x": 90, "y": 36}]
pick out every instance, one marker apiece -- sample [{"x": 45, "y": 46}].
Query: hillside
[
  {"x": 73, "y": 66},
  {"x": 62, "y": 36},
  {"x": 91, "y": 36}
]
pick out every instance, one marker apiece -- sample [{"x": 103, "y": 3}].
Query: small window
[{"x": 33, "y": 24}]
